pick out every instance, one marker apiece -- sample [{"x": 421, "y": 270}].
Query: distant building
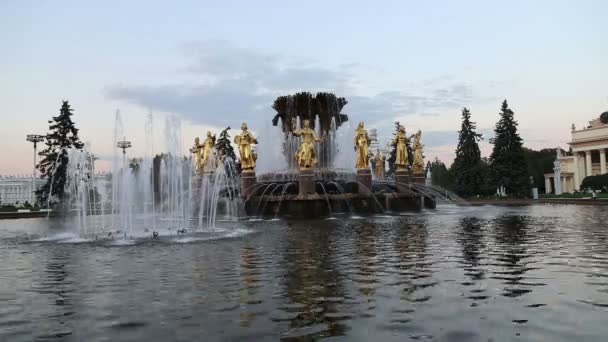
[
  {"x": 17, "y": 189},
  {"x": 588, "y": 157}
]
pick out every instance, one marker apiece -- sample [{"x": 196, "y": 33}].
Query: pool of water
[{"x": 536, "y": 273}]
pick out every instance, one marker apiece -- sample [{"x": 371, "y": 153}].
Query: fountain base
[
  {"x": 312, "y": 206},
  {"x": 306, "y": 182},
  {"x": 402, "y": 179},
  {"x": 364, "y": 179},
  {"x": 248, "y": 182},
  {"x": 418, "y": 178}
]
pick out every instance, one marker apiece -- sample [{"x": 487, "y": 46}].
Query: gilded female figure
[
  {"x": 195, "y": 150},
  {"x": 362, "y": 142},
  {"x": 306, "y": 155},
  {"x": 380, "y": 160},
  {"x": 245, "y": 142},
  {"x": 206, "y": 151},
  {"x": 418, "y": 164},
  {"x": 400, "y": 140}
]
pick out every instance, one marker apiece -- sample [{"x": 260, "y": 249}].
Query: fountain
[
  {"x": 308, "y": 170},
  {"x": 316, "y": 181}
]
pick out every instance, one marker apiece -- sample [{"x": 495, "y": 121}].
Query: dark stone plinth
[
  {"x": 397, "y": 202},
  {"x": 419, "y": 179},
  {"x": 312, "y": 206},
  {"x": 248, "y": 182},
  {"x": 429, "y": 202},
  {"x": 306, "y": 182},
  {"x": 364, "y": 180},
  {"x": 402, "y": 180}
]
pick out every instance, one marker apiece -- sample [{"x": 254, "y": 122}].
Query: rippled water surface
[{"x": 537, "y": 273}]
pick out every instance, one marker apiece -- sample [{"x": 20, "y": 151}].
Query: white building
[
  {"x": 17, "y": 189},
  {"x": 588, "y": 157}
]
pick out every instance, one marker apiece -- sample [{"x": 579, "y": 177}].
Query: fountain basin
[{"x": 320, "y": 205}]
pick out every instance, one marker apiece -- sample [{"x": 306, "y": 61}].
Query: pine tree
[
  {"x": 225, "y": 150},
  {"x": 441, "y": 176},
  {"x": 508, "y": 162},
  {"x": 468, "y": 167},
  {"x": 63, "y": 136},
  {"x": 224, "y": 145},
  {"x": 393, "y": 156}
]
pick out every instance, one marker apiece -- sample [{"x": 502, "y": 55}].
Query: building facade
[
  {"x": 16, "y": 190},
  {"x": 588, "y": 158}
]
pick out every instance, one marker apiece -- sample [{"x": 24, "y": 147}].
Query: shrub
[{"x": 595, "y": 183}]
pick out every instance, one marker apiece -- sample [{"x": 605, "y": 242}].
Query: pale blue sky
[{"x": 219, "y": 63}]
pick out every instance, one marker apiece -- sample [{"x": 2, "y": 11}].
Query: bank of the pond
[
  {"x": 521, "y": 202},
  {"x": 25, "y": 214}
]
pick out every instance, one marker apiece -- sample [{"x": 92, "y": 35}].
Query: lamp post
[
  {"x": 124, "y": 144},
  {"x": 34, "y": 138}
]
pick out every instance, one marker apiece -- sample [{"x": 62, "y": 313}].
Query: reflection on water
[{"x": 455, "y": 274}]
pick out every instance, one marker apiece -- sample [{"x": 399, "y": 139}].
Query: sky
[{"x": 213, "y": 64}]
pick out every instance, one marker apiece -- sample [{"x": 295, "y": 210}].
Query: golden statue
[
  {"x": 362, "y": 142},
  {"x": 380, "y": 160},
  {"x": 418, "y": 164},
  {"x": 306, "y": 155},
  {"x": 195, "y": 150},
  {"x": 245, "y": 142},
  {"x": 401, "y": 160},
  {"x": 206, "y": 150}
]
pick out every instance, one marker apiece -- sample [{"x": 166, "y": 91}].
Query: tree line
[{"x": 511, "y": 168}]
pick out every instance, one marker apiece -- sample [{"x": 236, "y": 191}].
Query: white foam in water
[
  {"x": 122, "y": 243},
  {"x": 75, "y": 240},
  {"x": 56, "y": 237}
]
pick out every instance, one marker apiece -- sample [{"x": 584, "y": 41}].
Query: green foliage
[
  {"x": 595, "y": 183},
  {"x": 508, "y": 162},
  {"x": 225, "y": 150},
  {"x": 62, "y": 136},
  {"x": 539, "y": 163},
  {"x": 469, "y": 171},
  {"x": 441, "y": 175},
  {"x": 224, "y": 145}
]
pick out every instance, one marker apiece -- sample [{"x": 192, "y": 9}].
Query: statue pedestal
[
  {"x": 248, "y": 182},
  {"x": 402, "y": 180},
  {"x": 418, "y": 178},
  {"x": 364, "y": 180},
  {"x": 306, "y": 182}
]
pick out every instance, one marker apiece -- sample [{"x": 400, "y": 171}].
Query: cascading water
[{"x": 152, "y": 193}]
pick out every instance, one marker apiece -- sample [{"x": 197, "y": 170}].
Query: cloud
[{"x": 230, "y": 84}]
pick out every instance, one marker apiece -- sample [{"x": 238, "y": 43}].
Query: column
[
  {"x": 576, "y": 172},
  {"x": 602, "y": 161},
  {"x": 548, "y": 189},
  {"x": 588, "y": 170}
]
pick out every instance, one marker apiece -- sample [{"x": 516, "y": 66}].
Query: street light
[
  {"x": 124, "y": 145},
  {"x": 34, "y": 138}
]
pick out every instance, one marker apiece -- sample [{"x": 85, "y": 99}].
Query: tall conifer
[
  {"x": 62, "y": 136},
  {"x": 467, "y": 167},
  {"x": 508, "y": 162}
]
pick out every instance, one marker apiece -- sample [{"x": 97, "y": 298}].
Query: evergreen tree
[
  {"x": 393, "y": 156},
  {"x": 467, "y": 167},
  {"x": 508, "y": 162},
  {"x": 224, "y": 145},
  {"x": 225, "y": 150},
  {"x": 63, "y": 136},
  {"x": 441, "y": 176}
]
